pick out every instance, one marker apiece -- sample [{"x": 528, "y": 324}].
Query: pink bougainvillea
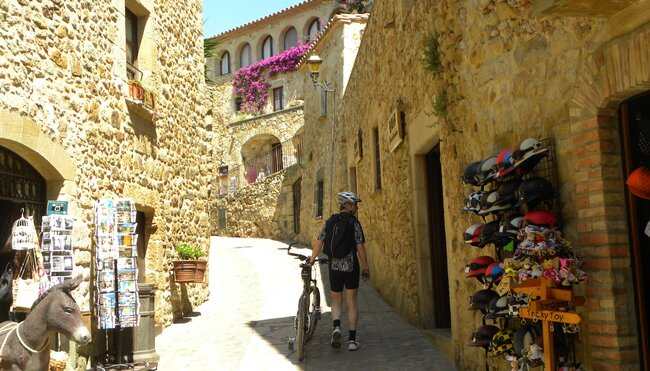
[
  {"x": 251, "y": 84},
  {"x": 353, "y": 6}
]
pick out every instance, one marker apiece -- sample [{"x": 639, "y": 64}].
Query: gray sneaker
[
  {"x": 336, "y": 338},
  {"x": 353, "y": 345}
]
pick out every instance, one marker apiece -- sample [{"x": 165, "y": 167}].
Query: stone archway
[
  {"x": 24, "y": 137},
  {"x": 618, "y": 70}
]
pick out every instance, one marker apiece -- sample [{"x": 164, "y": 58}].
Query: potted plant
[
  {"x": 136, "y": 90},
  {"x": 190, "y": 267}
]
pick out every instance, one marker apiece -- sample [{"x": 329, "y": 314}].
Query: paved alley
[{"x": 254, "y": 288}]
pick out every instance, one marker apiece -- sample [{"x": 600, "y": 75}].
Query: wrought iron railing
[{"x": 253, "y": 169}]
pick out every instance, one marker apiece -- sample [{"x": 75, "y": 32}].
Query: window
[
  {"x": 267, "y": 48},
  {"x": 323, "y": 103},
  {"x": 222, "y": 221},
  {"x": 225, "y": 63},
  {"x": 352, "y": 179},
  {"x": 131, "y": 27},
  {"x": 314, "y": 29},
  {"x": 319, "y": 198},
  {"x": 290, "y": 38},
  {"x": 238, "y": 102},
  {"x": 375, "y": 137},
  {"x": 245, "y": 56},
  {"x": 297, "y": 191},
  {"x": 277, "y": 99}
]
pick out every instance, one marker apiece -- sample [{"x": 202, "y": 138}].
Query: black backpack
[{"x": 339, "y": 235}]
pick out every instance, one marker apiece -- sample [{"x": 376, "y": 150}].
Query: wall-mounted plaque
[{"x": 395, "y": 132}]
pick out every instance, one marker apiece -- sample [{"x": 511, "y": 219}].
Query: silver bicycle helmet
[{"x": 348, "y": 197}]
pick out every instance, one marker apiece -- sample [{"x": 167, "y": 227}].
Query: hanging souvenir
[{"x": 23, "y": 233}]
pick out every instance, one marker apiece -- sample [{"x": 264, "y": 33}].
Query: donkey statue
[{"x": 26, "y": 346}]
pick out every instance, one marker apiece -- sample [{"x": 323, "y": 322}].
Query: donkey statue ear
[{"x": 70, "y": 285}]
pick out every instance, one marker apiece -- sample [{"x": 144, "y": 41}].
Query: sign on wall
[
  {"x": 57, "y": 207},
  {"x": 395, "y": 131}
]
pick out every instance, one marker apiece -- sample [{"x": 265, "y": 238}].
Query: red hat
[
  {"x": 639, "y": 182},
  {"x": 477, "y": 266},
  {"x": 541, "y": 218}
]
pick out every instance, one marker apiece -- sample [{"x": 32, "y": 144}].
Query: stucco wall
[{"x": 66, "y": 74}]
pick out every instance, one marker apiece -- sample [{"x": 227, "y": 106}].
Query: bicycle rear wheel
[
  {"x": 301, "y": 326},
  {"x": 314, "y": 310}
]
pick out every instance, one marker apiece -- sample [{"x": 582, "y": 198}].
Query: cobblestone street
[{"x": 254, "y": 287}]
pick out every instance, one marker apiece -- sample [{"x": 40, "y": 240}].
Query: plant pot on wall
[
  {"x": 189, "y": 271},
  {"x": 189, "y": 268},
  {"x": 136, "y": 91}
]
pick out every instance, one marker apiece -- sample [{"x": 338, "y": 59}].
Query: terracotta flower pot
[
  {"x": 136, "y": 91},
  {"x": 189, "y": 271}
]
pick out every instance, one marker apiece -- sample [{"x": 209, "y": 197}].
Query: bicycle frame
[{"x": 309, "y": 309}]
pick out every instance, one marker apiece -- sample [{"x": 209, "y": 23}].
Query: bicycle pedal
[{"x": 318, "y": 313}]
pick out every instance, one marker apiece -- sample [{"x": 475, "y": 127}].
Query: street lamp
[{"x": 314, "y": 63}]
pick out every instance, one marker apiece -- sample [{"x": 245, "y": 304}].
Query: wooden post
[{"x": 543, "y": 299}]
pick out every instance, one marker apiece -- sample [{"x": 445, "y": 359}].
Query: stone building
[
  {"x": 257, "y": 147},
  {"x": 71, "y": 129},
  {"x": 573, "y": 73}
]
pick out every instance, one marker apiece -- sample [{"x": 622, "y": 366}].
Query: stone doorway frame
[
  {"x": 618, "y": 70},
  {"x": 424, "y": 135},
  {"x": 24, "y": 137}
]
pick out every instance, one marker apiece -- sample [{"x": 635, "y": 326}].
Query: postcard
[{"x": 125, "y": 263}]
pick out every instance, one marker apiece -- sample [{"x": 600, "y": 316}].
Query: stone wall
[
  {"x": 324, "y": 136},
  {"x": 263, "y": 209},
  {"x": 63, "y": 108},
  {"x": 508, "y": 75}
]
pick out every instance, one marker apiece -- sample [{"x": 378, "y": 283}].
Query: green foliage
[
  {"x": 209, "y": 45},
  {"x": 189, "y": 252},
  {"x": 440, "y": 104},
  {"x": 431, "y": 58}
]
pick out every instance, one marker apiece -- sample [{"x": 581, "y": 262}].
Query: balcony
[
  {"x": 254, "y": 169},
  {"x": 139, "y": 99}
]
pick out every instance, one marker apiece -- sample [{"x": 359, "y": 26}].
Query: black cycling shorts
[{"x": 349, "y": 280}]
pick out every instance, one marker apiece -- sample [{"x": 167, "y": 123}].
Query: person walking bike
[{"x": 342, "y": 239}]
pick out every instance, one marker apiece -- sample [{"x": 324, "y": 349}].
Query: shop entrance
[
  {"x": 21, "y": 188},
  {"x": 438, "y": 246},
  {"x": 635, "y": 128}
]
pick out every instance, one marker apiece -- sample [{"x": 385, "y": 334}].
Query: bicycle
[{"x": 308, "y": 305}]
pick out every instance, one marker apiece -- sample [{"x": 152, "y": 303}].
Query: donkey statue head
[{"x": 26, "y": 346}]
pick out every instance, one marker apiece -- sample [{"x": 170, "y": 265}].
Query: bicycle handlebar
[{"x": 303, "y": 257}]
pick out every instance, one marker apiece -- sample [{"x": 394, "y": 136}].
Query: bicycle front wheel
[
  {"x": 314, "y": 311},
  {"x": 300, "y": 327}
]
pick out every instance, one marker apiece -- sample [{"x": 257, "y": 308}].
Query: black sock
[
  {"x": 337, "y": 323},
  {"x": 353, "y": 335}
]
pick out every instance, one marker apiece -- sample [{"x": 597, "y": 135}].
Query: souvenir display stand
[
  {"x": 116, "y": 294},
  {"x": 57, "y": 247},
  {"x": 543, "y": 307},
  {"x": 535, "y": 268}
]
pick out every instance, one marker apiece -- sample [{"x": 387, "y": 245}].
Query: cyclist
[{"x": 344, "y": 273}]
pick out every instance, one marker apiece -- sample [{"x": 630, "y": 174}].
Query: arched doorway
[
  {"x": 22, "y": 189},
  {"x": 634, "y": 118},
  {"x": 261, "y": 156}
]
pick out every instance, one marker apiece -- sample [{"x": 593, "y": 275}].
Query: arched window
[
  {"x": 314, "y": 29},
  {"x": 267, "y": 48},
  {"x": 245, "y": 56},
  {"x": 225, "y": 63},
  {"x": 290, "y": 38}
]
